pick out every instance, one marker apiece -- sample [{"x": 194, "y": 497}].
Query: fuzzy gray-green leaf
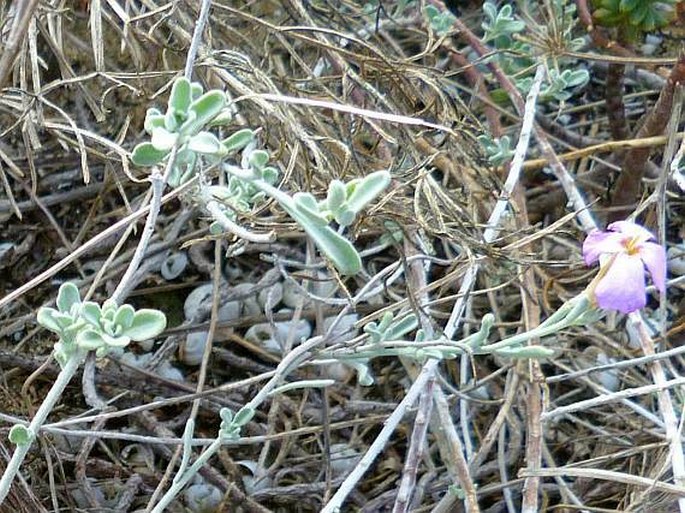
[
  {"x": 206, "y": 143},
  {"x": 67, "y": 297},
  {"x": 124, "y": 316},
  {"x": 162, "y": 139},
  {"x": 147, "y": 324},
  {"x": 89, "y": 339},
  {"x": 145, "y": 154},
  {"x": 238, "y": 140},
  {"x": 206, "y": 107},
  {"x": 21, "y": 435},
  {"x": 367, "y": 190},
  {"x": 336, "y": 247},
  {"x": 180, "y": 97},
  {"x": 46, "y": 318}
]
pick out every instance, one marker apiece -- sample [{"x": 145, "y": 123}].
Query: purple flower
[{"x": 623, "y": 253}]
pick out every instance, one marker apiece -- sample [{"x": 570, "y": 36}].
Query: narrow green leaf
[
  {"x": 180, "y": 97},
  {"x": 206, "y": 108},
  {"x": 238, "y": 140},
  {"x": 336, "y": 195},
  {"x": 367, "y": 190},
  {"x": 336, "y": 247},
  {"x": 402, "y": 327},
  {"x": 244, "y": 415},
  {"x": 147, "y": 324}
]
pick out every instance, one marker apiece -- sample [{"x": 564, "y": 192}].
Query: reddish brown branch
[
  {"x": 613, "y": 95},
  {"x": 627, "y": 186}
]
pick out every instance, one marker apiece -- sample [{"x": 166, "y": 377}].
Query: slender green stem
[{"x": 46, "y": 407}]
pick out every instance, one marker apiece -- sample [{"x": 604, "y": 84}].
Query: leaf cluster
[
  {"x": 85, "y": 326},
  {"x": 634, "y": 16},
  {"x": 189, "y": 112}
]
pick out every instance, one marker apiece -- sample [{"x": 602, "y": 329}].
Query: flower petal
[
  {"x": 598, "y": 243},
  {"x": 654, "y": 257},
  {"x": 631, "y": 230},
  {"x": 623, "y": 286}
]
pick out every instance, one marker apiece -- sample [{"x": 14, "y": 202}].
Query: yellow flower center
[{"x": 632, "y": 245}]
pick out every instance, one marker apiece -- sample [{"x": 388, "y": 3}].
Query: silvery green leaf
[
  {"x": 116, "y": 341},
  {"x": 215, "y": 228},
  {"x": 153, "y": 118},
  {"x": 307, "y": 210},
  {"x": 89, "y": 339},
  {"x": 162, "y": 139},
  {"x": 145, "y": 154},
  {"x": 336, "y": 247},
  {"x": 226, "y": 415},
  {"x": 196, "y": 90},
  {"x": 238, "y": 140},
  {"x": 109, "y": 309},
  {"x": 174, "y": 179},
  {"x": 108, "y": 327},
  {"x": 576, "y": 78},
  {"x": 336, "y": 195},
  {"x": 367, "y": 189},
  {"x": 180, "y": 97},
  {"x": 223, "y": 118},
  {"x": 206, "y": 108},
  {"x": 244, "y": 415},
  {"x": 46, "y": 318},
  {"x": 91, "y": 313},
  {"x": 171, "y": 121},
  {"x": 64, "y": 320},
  {"x": 386, "y": 321},
  {"x": 344, "y": 216},
  {"x": 400, "y": 328},
  {"x": 270, "y": 175},
  {"x": 67, "y": 297},
  {"x": 205, "y": 142},
  {"x": 258, "y": 159},
  {"x": 21, "y": 435},
  {"x": 147, "y": 324},
  {"x": 124, "y": 316}
]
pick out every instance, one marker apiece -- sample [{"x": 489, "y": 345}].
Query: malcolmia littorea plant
[
  {"x": 184, "y": 132},
  {"x": 81, "y": 326}
]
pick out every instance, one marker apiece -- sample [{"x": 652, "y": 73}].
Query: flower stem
[{"x": 46, "y": 407}]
